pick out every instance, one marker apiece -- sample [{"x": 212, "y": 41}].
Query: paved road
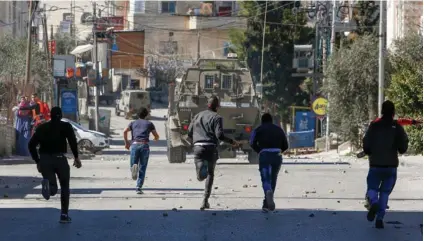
[{"x": 318, "y": 198}]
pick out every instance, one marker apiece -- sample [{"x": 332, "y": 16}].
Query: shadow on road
[
  {"x": 287, "y": 163},
  {"x": 16, "y": 187},
  {"x": 159, "y": 143},
  {"x": 157, "y": 118},
  {"x": 16, "y": 161},
  {"x": 193, "y": 225},
  {"x": 112, "y": 152}
]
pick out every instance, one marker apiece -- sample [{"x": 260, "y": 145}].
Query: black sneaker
[
  {"x": 265, "y": 207},
  {"x": 379, "y": 224},
  {"x": 269, "y": 197},
  {"x": 205, "y": 205},
  {"x": 64, "y": 218},
  {"x": 138, "y": 190},
  {"x": 372, "y": 212},
  {"x": 134, "y": 172},
  {"x": 45, "y": 189}
]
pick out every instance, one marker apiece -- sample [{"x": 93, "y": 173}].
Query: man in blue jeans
[
  {"x": 382, "y": 142},
  {"x": 270, "y": 142},
  {"x": 139, "y": 146}
]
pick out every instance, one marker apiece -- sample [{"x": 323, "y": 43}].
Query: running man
[
  {"x": 269, "y": 141},
  {"x": 139, "y": 146},
  {"x": 206, "y": 131},
  {"x": 51, "y": 136},
  {"x": 382, "y": 142}
]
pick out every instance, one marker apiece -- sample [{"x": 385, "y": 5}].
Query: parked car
[{"x": 88, "y": 140}]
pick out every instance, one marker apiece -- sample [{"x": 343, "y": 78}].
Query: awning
[{"x": 82, "y": 49}]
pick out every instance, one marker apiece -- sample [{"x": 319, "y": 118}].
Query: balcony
[{"x": 202, "y": 22}]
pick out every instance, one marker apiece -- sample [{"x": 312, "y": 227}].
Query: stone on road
[{"x": 105, "y": 207}]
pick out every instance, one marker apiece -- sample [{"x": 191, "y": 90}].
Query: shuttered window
[
  {"x": 209, "y": 79},
  {"x": 227, "y": 81}
]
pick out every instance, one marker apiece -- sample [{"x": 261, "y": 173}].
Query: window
[
  {"x": 168, "y": 7},
  {"x": 139, "y": 6},
  {"x": 226, "y": 82},
  {"x": 209, "y": 79}
]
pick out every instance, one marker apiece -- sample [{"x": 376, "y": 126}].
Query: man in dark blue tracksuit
[
  {"x": 269, "y": 141},
  {"x": 382, "y": 142}
]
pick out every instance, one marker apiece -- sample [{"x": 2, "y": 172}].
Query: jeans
[
  {"x": 140, "y": 156},
  {"x": 205, "y": 158},
  {"x": 52, "y": 165},
  {"x": 380, "y": 181},
  {"x": 269, "y": 167}
]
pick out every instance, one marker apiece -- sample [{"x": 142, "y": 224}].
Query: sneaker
[
  {"x": 269, "y": 197},
  {"x": 45, "y": 189},
  {"x": 379, "y": 224},
  {"x": 265, "y": 207},
  {"x": 134, "y": 172},
  {"x": 64, "y": 218},
  {"x": 372, "y": 212},
  {"x": 139, "y": 191},
  {"x": 205, "y": 205}
]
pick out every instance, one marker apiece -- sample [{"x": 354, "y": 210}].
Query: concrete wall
[
  {"x": 211, "y": 43},
  {"x": 7, "y": 142},
  {"x": 403, "y": 17}
]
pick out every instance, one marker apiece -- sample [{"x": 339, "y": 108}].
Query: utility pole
[
  {"x": 332, "y": 43},
  {"x": 263, "y": 42},
  {"x": 96, "y": 66},
  {"x": 198, "y": 45},
  {"x": 316, "y": 49},
  {"x": 72, "y": 22},
  {"x": 46, "y": 49},
  {"x": 29, "y": 47},
  {"x": 381, "y": 36}
]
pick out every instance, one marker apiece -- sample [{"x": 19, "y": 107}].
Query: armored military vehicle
[
  {"x": 131, "y": 101},
  {"x": 229, "y": 80}
]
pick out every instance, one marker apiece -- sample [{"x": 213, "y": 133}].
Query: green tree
[
  {"x": 65, "y": 43},
  {"x": 13, "y": 59},
  {"x": 283, "y": 30},
  {"x": 406, "y": 89},
  {"x": 352, "y": 82},
  {"x": 366, "y": 15}
]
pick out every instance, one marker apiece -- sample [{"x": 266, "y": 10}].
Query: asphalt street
[{"x": 319, "y": 198}]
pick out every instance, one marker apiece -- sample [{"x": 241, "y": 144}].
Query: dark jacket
[
  {"x": 207, "y": 127},
  {"x": 52, "y": 137},
  {"x": 383, "y": 141},
  {"x": 268, "y": 136}
]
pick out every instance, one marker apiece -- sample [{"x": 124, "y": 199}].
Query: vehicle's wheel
[
  {"x": 175, "y": 154},
  {"x": 253, "y": 157},
  {"x": 85, "y": 146}
]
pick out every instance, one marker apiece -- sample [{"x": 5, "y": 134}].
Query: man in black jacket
[
  {"x": 270, "y": 142},
  {"x": 206, "y": 131},
  {"x": 382, "y": 142},
  {"x": 51, "y": 136}
]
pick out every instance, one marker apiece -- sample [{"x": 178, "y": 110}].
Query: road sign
[{"x": 319, "y": 106}]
